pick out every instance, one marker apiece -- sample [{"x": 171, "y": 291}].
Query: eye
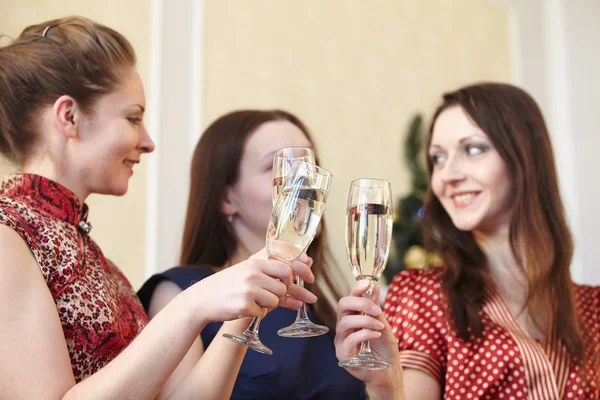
[
  {"x": 475, "y": 149},
  {"x": 134, "y": 120},
  {"x": 437, "y": 158}
]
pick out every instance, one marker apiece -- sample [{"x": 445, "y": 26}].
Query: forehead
[
  {"x": 274, "y": 135},
  {"x": 452, "y": 125},
  {"x": 129, "y": 93}
]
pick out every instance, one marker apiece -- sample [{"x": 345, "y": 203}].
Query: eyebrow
[{"x": 461, "y": 140}]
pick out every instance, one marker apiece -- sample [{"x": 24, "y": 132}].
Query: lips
[
  {"x": 130, "y": 163},
  {"x": 464, "y": 199}
]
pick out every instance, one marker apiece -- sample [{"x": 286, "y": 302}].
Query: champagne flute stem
[
  {"x": 302, "y": 310},
  {"x": 255, "y": 324},
  {"x": 365, "y": 347}
]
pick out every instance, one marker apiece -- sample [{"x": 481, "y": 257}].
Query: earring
[{"x": 230, "y": 219}]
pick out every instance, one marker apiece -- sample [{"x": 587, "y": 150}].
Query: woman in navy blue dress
[{"x": 228, "y": 212}]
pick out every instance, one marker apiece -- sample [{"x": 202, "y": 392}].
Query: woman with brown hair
[
  {"x": 72, "y": 327},
  {"x": 229, "y": 207},
  {"x": 502, "y": 318}
]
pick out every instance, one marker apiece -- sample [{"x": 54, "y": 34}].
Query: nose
[
  {"x": 453, "y": 170},
  {"x": 146, "y": 144}
]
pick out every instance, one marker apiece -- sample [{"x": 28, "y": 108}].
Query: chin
[
  {"x": 120, "y": 190},
  {"x": 116, "y": 189},
  {"x": 465, "y": 225}
]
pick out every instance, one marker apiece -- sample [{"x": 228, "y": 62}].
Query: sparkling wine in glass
[
  {"x": 293, "y": 226},
  {"x": 282, "y": 163},
  {"x": 368, "y": 239}
]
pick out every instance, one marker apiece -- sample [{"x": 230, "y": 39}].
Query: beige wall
[
  {"x": 118, "y": 223},
  {"x": 353, "y": 70}
]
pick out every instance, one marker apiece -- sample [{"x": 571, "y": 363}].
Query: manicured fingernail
[
  {"x": 311, "y": 297},
  {"x": 364, "y": 284},
  {"x": 303, "y": 258},
  {"x": 380, "y": 325}
]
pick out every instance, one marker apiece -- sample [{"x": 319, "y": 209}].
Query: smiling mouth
[
  {"x": 465, "y": 199},
  {"x": 129, "y": 164}
]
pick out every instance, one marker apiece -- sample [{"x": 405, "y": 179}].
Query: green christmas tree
[{"x": 407, "y": 242}]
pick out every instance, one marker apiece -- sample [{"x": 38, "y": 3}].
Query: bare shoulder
[
  {"x": 32, "y": 336},
  {"x": 163, "y": 294},
  {"x": 16, "y": 256}
]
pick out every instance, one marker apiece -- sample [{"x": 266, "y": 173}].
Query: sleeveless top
[
  {"x": 300, "y": 368},
  {"x": 98, "y": 309}
]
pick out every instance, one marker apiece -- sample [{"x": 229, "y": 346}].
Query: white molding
[
  {"x": 153, "y": 109},
  {"x": 539, "y": 59},
  {"x": 559, "y": 119},
  {"x": 174, "y": 121}
]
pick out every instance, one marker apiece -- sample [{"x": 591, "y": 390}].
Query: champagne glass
[
  {"x": 368, "y": 238},
  {"x": 295, "y": 219},
  {"x": 291, "y": 229},
  {"x": 282, "y": 163}
]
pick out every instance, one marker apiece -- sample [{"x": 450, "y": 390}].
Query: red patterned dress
[
  {"x": 99, "y": 310},
  {"x": 507, "y": 363}
]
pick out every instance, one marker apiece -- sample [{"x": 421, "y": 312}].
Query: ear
[
  {"x": 228, "y": 204},
  {"x": 67, "y": 116}
]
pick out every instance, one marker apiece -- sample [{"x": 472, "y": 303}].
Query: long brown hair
[
  {"x": 70, "y": 56},
  {"x": 207, "y": 238},
  {"x": 539, "y": 235}
]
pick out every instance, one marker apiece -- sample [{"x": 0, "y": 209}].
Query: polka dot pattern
[{"x": 492, "y": 367}]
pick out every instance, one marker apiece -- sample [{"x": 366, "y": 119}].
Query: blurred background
[{"x": 356, "y": 72}]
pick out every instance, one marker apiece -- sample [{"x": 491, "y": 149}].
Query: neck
[
  {"x": 46, "y": 168},
  {"x": 502, "y": 263},
  {"x": 247, "y": 242},
  {"x": 240, "y": 254}
]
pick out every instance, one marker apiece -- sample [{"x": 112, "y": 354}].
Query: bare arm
[
  {"x": 213, "y": 371},
  {"x": 214, "y": 376},
  {"x": 417, "y": 385},
  {"x": 33, "y": 339}
]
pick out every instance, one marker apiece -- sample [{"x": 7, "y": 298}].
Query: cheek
[
  {"x": 436, "y": 184},
  {"x": 505, "y": 187},
  {"x": 121, "y": 140},
  {"x": 257, "y": 191},
  {"x": 502, "y": 185}
]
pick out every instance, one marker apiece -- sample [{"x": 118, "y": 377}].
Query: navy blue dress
[{"x": 298, "y": 369}]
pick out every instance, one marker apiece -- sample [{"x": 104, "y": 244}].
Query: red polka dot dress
[
  {"x": 98, "y": 309},
  {"x": 507, "y": 363}
]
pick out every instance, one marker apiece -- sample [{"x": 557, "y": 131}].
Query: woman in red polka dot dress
[{"x": 502, "y": 318}]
